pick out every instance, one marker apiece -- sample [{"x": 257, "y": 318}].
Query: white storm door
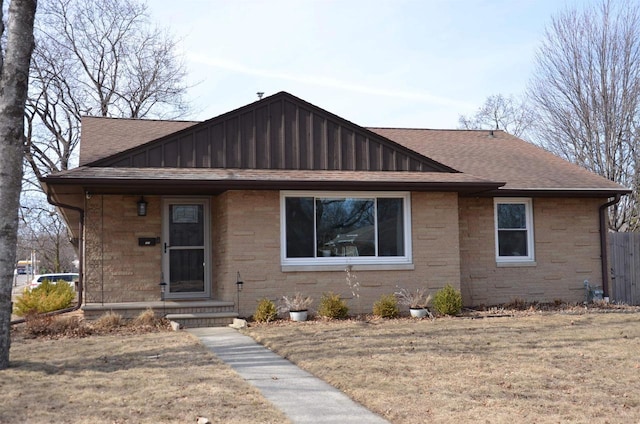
[{"x": 185, "y": 246}]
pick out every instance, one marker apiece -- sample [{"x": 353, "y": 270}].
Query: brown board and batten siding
[{"x": 280, "y": 132}]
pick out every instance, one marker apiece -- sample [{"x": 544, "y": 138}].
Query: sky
[{"x": 377, "y": 63}]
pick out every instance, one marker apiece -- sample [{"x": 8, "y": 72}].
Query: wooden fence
[{"x": 624, "y": 254}]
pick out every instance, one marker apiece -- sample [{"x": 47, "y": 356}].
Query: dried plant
[
  {"x": 109, "y": 321},
  {"x": 417, "y": 299},
  {"x": 352, "y": 282},
  {"x": 148, "y": 318},
  {"x": 296, "y": 303},
  {"x": 354, "y": 285}
]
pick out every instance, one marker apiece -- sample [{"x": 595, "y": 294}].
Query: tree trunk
[{"x": 14, "y": 80}]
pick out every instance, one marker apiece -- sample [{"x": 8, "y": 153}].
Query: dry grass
[
  {"x": 125, "y": 377},
  {"x": 529, "y": 367}
]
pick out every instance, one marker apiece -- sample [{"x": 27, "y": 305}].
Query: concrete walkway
[{"x": 302, "y": 397}]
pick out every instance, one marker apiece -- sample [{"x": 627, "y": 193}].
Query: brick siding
[
  {"x": 246, "y": 229},
  {"x": 447, "y": 249},
  {"x": 567, "y": 251},
  {"x": 117, "y": 269},
  {"x": 246, "y": 238}
]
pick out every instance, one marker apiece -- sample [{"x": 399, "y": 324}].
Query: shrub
[
  {"x": 109, "y": 321},
  {"x": 47, "y": 297},
  {"x": 332, "y": 306},
  {"x": 386, "y": 306},
  {"x": 447, "y": 301},
  {"x": 266, "y": 311}
]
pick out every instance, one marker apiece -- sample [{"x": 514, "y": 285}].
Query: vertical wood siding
[{"x": 281, "y": 132}]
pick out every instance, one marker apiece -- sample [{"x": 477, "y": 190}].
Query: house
[{"x": 282, "y": 196}]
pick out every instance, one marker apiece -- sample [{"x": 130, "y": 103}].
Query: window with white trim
[
  {"x": 514, "y": 229},
  {"x": 331, "y": 228}
]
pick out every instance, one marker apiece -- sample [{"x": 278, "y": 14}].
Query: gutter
[
  {"x": 80, "y": 261},
  {"x": 603, "y": 243}
]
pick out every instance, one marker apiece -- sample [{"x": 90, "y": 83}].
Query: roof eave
[
  {"x": 555, "y": 192},
  {"x": 191, "y": 187}
]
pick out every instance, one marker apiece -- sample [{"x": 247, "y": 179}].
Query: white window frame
[
  {"x": 530, "y": 258},
  {"x": 348, "y": 260}
]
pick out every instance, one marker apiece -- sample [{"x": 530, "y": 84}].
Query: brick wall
[
  {"x": 246, "y": 238},
  {"x": 116, "y": 268},
  {"x": 567, "y": 251},
  {"x": 246, "y": 228}
]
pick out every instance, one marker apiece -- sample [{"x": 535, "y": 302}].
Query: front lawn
[
  {"x": 144, "y": 377},
  {"x": 573, "y": 366}
]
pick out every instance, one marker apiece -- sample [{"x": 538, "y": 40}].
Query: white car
[{"x": 69, "y": 277}]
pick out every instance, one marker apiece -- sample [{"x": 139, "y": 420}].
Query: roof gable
[{"x": 277, "y": 132}]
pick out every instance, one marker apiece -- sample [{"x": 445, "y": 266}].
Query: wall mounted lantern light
[
  {"x": 163, "y": 292},
  {"x": 239, "y": 284},
  {"x": 142, "y": 207}
]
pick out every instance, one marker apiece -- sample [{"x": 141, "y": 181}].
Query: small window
[
  {"x": 328, "y": 228},
  {"x": 514, "y": 230}
]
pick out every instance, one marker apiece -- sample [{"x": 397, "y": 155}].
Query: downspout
[
  {"x": 603, "y": 244},
  {"x": 80, "y": 261}
]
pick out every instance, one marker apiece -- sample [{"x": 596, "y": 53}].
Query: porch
[{"x": 188, "y": 313}]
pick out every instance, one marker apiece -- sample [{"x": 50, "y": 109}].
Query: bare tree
[
  {"x": 92, "y": 57},
  {"x": 500, "y": 113},
  {"x": 100, "y": 58},
  {"x": 14, "y": 80},
  {"x": 586, "y": 89},
  {"x": 42, "y": 230}
]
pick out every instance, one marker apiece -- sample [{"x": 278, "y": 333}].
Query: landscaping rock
[{"x": 238, "y": 323}]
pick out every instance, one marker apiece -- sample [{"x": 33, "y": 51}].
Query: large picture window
[
  {"x": 514, "y": 230},
  {"x": 345, "y": 228}
]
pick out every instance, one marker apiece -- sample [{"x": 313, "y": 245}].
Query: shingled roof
[
  {"x": 292, "y": 140},
  {"x": 499, "y": 156},
  {"x": 283, "y": 142},
  {"x": 102, "y": 137}
]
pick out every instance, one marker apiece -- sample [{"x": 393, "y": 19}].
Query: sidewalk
[{"x": 302, "y": 397}]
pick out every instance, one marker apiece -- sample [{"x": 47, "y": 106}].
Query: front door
[{"x": 185, "y": 247}]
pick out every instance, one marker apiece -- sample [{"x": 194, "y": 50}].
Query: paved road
[{"x": 19, "y": 283}]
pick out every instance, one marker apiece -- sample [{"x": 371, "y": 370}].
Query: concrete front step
[
  {"x": 203, "y": 319},
  {"x": 188, "y": 313}
]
